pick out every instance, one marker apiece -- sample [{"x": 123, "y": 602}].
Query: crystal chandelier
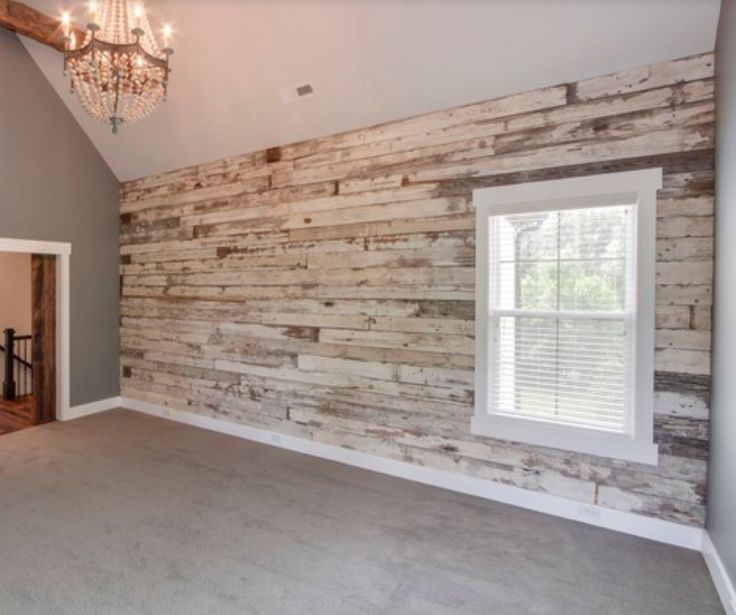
[{"x": 118, "y": 70}]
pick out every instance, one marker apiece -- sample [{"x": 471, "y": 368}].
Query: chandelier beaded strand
[{"x": 119, "y": 72}]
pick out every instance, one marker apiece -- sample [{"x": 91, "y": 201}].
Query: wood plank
[
  {"x": 43, "y": 302},
  {"x": 488, "y": 110},
  {"x": 23, "y": 19},
  {"x": 16, "y": 415},
  {"x": 671, "y": 97},
  {"x": 668, "y": 141},
  {"x": 460, "y": 344},
  {"x": 648, "y": 77}
]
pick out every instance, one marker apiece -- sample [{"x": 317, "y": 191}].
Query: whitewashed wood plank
[
  {"x": 682, "y": 361},
  {"x": 683, "y": 339},
  {"x": 698, "y": 272},
  {"x": 367, "y": 369},
  {"x": 459, "y": 344},
  {"x": 647, "y": 77}
]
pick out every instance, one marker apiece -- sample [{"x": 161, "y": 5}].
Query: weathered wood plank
[
  {"x": 685, "y": 272},
  {"x": 682, "y": 361},
  {"x": 416, "y": 258},
  {"x": 701, "y": 226},
  {"x": 700, "y": 317},
  {"x": 44, "y": 324},
  {"x": 683, "y": 294},
  {"x": 686, "y": 249},
  {"x": 697, "y": 206},
  {"x": 668, "y": 141},
  {"x": 684, "y": 339},
  {"x": 648, "y": 77},
  {"x": 304, "y": 202},
  {"x": 478, "y": 112},
  {"x": 460, "y": 344},
  {"x": 454, "y": 222},
  {"x": 667, "y": 97},
  {"x": 673, "y": 317}
]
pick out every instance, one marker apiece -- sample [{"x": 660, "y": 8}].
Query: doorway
[
  {"x": 62, "y": 252},
  {"x": 28, "y": 353}
]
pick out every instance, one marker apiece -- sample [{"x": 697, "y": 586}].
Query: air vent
[
  {"x": 305, "y": 90},
  {"x": 294, "y": 92}
]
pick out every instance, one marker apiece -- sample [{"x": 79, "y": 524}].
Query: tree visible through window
[{"x": 561, "y": 297}]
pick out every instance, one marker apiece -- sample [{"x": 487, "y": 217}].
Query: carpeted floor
[{"x": 124, "y": 513}]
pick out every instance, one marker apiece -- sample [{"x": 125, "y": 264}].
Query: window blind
[{"x": 561, "y": 314}]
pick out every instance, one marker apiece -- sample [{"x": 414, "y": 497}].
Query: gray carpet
[{"x": 124, "y": 513}]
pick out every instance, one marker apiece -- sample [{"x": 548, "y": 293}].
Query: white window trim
[{"x": 639, "y": 187}]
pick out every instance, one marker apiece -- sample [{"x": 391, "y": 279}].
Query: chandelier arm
[{"x": 122, "y": 48}]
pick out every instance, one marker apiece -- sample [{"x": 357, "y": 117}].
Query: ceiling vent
[{"x": 294, "y": 92}]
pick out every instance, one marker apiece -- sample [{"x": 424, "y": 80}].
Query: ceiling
[{"x": 369, "y": 61}]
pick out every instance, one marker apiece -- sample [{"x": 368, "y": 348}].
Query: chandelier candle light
[{"x": 118, "y": 71}]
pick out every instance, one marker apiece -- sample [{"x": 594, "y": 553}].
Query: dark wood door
[{"x": 44, "y": 337}]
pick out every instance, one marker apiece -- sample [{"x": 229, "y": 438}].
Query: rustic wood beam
[{"x": 25, "y": 20}]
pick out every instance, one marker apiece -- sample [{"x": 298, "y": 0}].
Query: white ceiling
[{"x": 369, "y": 61}]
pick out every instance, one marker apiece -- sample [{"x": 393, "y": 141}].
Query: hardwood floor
[{"x": 16, "y": 415}]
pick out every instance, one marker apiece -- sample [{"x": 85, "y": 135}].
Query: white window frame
[{"x": 631, "y": 187}]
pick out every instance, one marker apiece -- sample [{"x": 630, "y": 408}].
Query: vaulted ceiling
[{"x": 369, "y": 61}]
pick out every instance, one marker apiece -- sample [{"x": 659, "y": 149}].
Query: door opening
[{"x": 28, "y": 340}]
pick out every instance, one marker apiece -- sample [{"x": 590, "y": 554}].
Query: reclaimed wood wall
[{"x": 325, "y": 289}]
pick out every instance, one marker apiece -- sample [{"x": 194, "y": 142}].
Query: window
[{"x": 565, "y": 313}]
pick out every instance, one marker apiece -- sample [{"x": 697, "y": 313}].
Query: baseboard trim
[
  {"x": 723, "y": 583},
  {"x": 629, "y": 523},
  {"x": 93, "y": 407}
]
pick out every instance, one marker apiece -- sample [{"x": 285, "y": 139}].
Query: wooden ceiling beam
[{"x": 26, "y": 20}]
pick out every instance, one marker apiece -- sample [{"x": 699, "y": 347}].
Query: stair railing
[{"x": 17, "y": 352}]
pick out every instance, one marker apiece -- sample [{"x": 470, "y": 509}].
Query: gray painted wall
[
  {"x": 55, "y": 186},
  {"x": 722, "y": 480}
]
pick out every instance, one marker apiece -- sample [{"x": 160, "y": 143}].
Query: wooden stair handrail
[{"x": 20, "y": 360}]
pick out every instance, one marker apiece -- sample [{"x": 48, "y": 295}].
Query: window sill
[{"x": 567, "y": 438}]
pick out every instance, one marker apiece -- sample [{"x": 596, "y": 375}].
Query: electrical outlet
[{"x": 589, "y": 513}]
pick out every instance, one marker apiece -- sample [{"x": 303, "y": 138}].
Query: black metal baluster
[{"x": 25, "y": 370}]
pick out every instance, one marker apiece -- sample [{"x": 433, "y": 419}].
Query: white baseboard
[
  {"x": 628, "y": 523},
  {"x": 723, "y": 583},
  {"x": 93, "y": 407}
]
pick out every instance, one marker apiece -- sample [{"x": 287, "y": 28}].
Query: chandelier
[{"x": 118, "y": 70}]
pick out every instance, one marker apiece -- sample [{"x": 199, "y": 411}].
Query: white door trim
[{"x": 62, "y": 251}]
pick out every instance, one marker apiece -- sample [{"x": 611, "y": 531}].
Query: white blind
[{"x": 562, "y": 316}]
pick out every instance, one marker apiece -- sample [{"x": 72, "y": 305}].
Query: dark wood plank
[
  {"x": 44, "y": 337},
  {"x": 23, "y": 19}
]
